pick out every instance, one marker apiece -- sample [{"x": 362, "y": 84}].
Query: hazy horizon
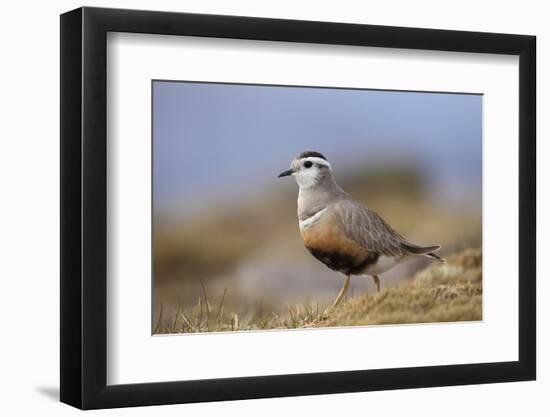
[{"x": 217, "y": 141}]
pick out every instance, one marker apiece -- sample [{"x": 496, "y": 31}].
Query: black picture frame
[{"x": 84, "y": 207}]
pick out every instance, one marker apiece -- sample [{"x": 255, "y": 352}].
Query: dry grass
[
  {"x": 207, "y": 317},
  {"x": 440, "y": 293}
]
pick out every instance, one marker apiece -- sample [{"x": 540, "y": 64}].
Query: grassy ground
[{"x": 440, "y": 293}]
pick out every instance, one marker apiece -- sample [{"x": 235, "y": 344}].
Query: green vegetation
[{"x": 440, "y": 293}]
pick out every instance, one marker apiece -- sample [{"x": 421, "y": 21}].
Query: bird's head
[{"x": 309, "y": 169}]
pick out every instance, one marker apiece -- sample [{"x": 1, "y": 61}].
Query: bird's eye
[{"x": 308, "y": 164}]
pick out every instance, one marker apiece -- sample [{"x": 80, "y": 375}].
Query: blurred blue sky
[{"x": 229, "y": 139}]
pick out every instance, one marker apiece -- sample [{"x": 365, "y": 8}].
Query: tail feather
[
  {"x": 436, "y": 257},
  {"x": 428, "y": 251}
]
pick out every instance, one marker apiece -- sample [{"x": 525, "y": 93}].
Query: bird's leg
[
  {"x": 341, "y": 295},
  {"x": 342, "y": 292},
  {"x": 377, "y": 282}
]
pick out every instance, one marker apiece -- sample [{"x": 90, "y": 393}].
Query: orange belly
[{"x": 325, "y": 236}]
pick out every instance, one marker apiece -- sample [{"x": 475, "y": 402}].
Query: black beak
[{"x": 286, "y": 173}]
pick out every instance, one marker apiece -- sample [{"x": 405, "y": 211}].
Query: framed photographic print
[{"x": 258, "y": 207}]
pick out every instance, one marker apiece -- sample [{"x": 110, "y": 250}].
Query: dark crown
[{"x": 307, "y": 154}]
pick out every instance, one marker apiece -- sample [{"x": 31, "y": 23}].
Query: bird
[{"x": 342, "y": 233}]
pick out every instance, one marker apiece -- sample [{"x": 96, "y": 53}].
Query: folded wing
[{"x": 368, "y": 229}]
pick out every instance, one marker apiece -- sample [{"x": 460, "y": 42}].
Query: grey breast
[{"x": 314, "y": 199}]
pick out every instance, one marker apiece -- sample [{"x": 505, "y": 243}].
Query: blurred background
[{"x": 225, "y": 226}]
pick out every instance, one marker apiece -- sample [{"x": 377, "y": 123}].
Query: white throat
[{"x": 307, "y": 179}]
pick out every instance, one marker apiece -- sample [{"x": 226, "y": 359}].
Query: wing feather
[{"x": 368, "y": 229}]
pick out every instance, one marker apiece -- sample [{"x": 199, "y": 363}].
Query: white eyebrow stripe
[
  {"x": 311, "y": 219},
  {"x": 317, "y": 160}
]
